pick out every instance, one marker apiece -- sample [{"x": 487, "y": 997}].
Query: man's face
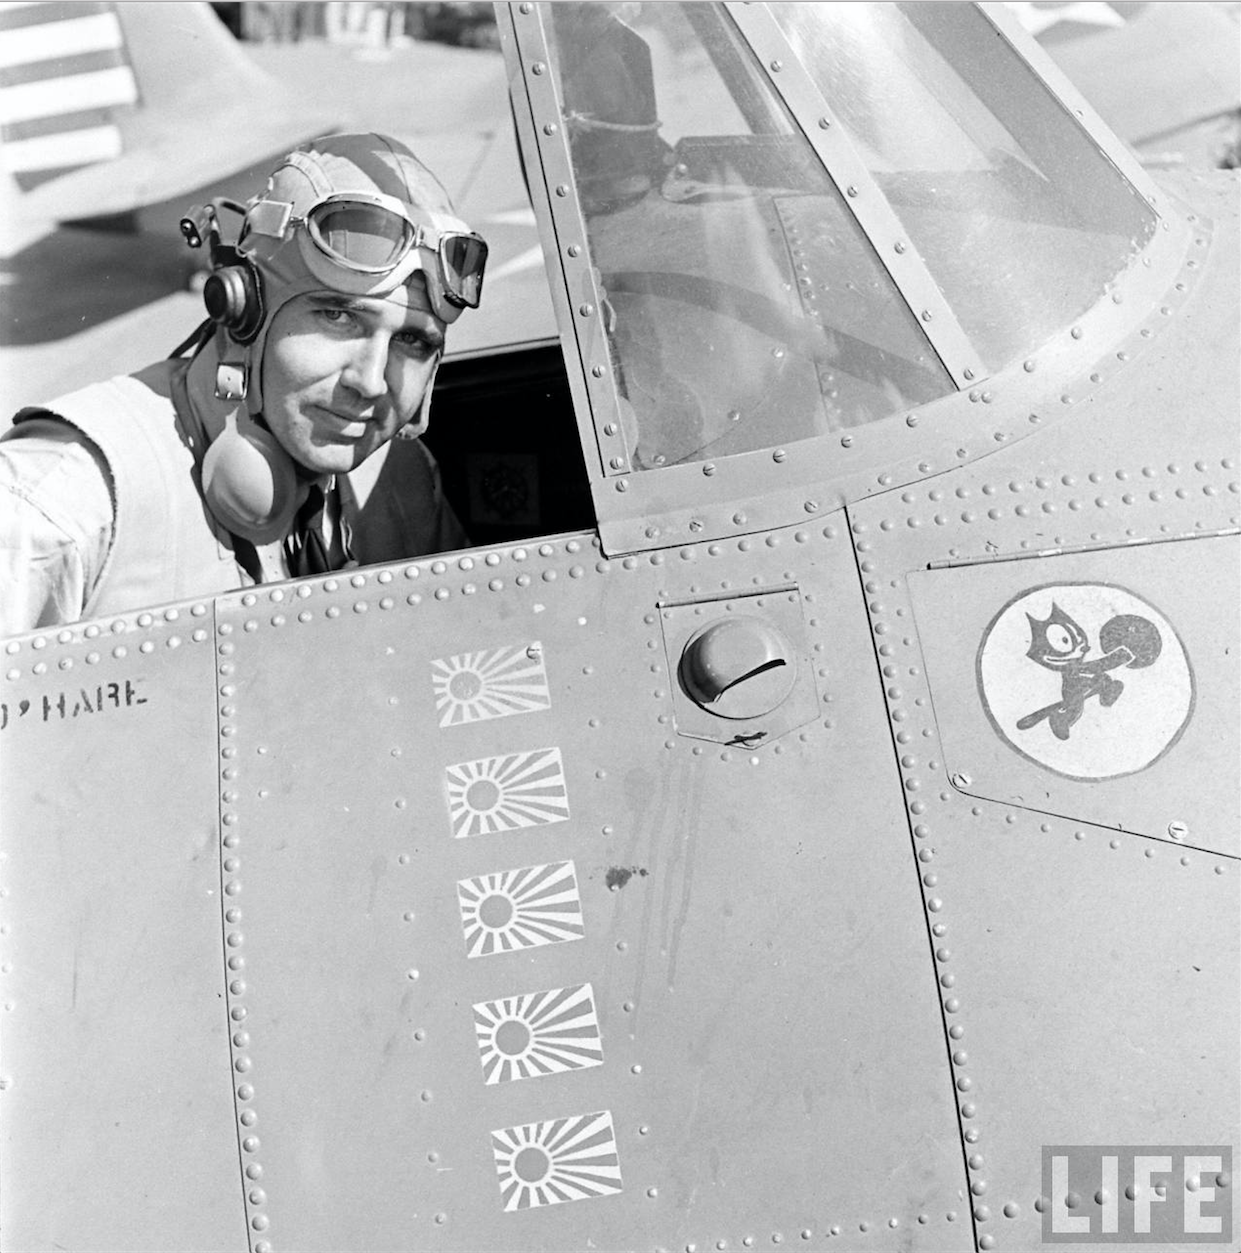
[{"x": 342, "y": 374}]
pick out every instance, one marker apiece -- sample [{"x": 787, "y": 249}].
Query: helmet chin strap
[
  {"x": 414, "y": 428},
  {"x": 250, "y": 484}
]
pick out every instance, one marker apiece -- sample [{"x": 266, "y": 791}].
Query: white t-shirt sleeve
[{"x": 56, "y": 519}]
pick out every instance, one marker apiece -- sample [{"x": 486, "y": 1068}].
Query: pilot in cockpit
[{"x": 285, "y": 442}]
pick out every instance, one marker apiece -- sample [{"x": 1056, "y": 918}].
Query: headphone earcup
[
  {"x": 249, "y": 482},
  {"x": 233, "y": 295}
]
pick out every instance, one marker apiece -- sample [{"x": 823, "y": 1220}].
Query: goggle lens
[
  {"x": 364, "y": 237},
  {"x": 462, "y": 260},
  {"x": 373, "y": 239}
]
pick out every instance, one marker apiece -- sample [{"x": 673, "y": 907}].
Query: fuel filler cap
[{"x": 738, "y": 667}]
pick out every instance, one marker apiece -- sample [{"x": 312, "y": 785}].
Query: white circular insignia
[{"x": 1085, "y": 679}]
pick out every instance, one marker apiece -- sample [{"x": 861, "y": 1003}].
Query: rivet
[
  {"x": 538, "y": 68},
  {"x": 851, "y": 190},
  {"x": 574, "y": 250}
]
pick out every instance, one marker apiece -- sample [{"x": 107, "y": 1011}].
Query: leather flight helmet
[{"x": 352, "y": 213}]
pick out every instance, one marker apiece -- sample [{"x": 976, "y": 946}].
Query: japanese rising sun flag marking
[
  {"x": 540, "y": 1033},
  {"x": 504, "y": 793},
  {"x": 471, "y": 687},
  {"x": 517, "y": 909},
  {"x": 546, "y": 1163}
]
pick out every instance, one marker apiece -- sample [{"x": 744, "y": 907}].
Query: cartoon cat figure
[{"x": 1058, "y": 643}]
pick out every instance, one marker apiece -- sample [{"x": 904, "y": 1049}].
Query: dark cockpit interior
[{"x": 507, "y": 443}]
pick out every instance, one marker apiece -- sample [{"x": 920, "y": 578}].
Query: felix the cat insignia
[{"x": 1086, "y": 679}]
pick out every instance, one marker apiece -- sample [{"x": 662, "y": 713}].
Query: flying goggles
[
  {"x": 361, "y": 243},
  {"x": 366, "y": 243}
]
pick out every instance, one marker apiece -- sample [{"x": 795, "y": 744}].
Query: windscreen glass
[
  {"x": 744, "y": 307},
  {"x": 1021, "y": 220}
]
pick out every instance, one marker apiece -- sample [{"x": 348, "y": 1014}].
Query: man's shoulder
[
  {"x": 122, "y": 430},
  {"x": 152, "y": 382},
  {"x": 110, "y": 414},
  {"x": 41, "y": 442},
  {"x": 111, "y": 398},
  {"x": 50, "y": 469}
]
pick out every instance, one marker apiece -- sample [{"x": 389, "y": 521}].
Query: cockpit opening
[{"x": 504, "y": 434}]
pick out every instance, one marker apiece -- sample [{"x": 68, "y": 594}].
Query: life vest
[{"x": 165, "y": 544}]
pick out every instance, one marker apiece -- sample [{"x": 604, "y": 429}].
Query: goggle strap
[{"x": 269, "y": 218}]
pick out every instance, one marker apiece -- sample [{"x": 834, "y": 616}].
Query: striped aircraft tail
[{"x": 65, "y": 75}]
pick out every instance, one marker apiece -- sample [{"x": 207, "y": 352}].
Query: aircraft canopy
[{"x": 790, "y": 246}]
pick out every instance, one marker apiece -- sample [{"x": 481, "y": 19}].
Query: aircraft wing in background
[
  {"x": 99, "y": 118},
  {"x": 1165, "y": 77}
]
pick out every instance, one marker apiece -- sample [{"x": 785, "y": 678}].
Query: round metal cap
[{"x": 738, "y": 667}]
